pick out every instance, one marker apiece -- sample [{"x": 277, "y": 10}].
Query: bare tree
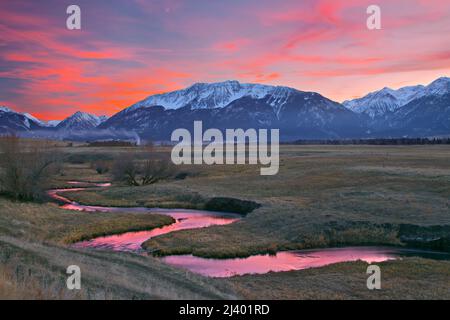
[
  {"x": 134, "y": 172},
  {"x": 25, "y": 166},
  {"x": 125, "y": 169},
  {"x": 155, "y": 170}
]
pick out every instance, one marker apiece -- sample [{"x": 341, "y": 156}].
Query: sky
[{"x": 127, "y": 50}]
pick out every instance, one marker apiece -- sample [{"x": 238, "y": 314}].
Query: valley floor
[{"x": 323, "y": 196}]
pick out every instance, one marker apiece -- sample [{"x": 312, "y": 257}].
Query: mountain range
[
  {"x": 413, "y": 111},
  {"x": 81, "y": 121},
  {"x": 385, "y": 101}
]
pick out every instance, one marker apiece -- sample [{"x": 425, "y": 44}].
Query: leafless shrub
[
  {"x": 101, "y": 166},
  {"x": 125, "y": 170},
  {"x": 134, "y": 172},
  {"x": 155, "y": 170},
  {"x": 25, "y": 166}
]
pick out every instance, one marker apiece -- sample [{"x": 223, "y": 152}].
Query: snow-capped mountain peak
[
  {"x": 32, "y": 118},
  {"x": 5, "y": 109},
  {"x": 81, "y": 121},
  {"x": 439, "y": 86},
  {"x": 12, "y": 120},
  {"x": 213, "y": 95},
  {"x": 387, "y": 100}
]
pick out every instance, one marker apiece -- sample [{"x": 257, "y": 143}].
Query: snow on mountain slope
[
  {"x": 215, "y": 95},
  {"x": 5, "y": 109},
  {"x": 11, "y": 121},
  {"x": 386, "y": 100},
  {"x": 53, "y": 123},
  {"x": 440, "y": 86},
  {"x": 32, "y": 118},
  {"x": 409, "y": 111},
  {"x": 297, "y": 114},
  {"x": 81, "y": 121},
  {"x": 426, "y": 116}
]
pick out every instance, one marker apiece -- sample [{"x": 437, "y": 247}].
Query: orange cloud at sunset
[{"x": 128, "y": 50}]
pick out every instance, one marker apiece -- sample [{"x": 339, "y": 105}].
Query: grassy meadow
[{"x": 323, "y": 196}]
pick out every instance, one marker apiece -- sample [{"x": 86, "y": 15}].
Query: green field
[{"x": 323, "y": 196}]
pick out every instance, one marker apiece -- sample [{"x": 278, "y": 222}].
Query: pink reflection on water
[
  {"x": 132, "y": 241},
  {"x": 191, "y": 219},
  {"x": 55, "y": 193},
  {"x": 90, "y": 184},
  {"x": 282, "y": 261}
]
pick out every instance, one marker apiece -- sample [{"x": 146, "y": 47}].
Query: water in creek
[{"x": 256, "y": 264}]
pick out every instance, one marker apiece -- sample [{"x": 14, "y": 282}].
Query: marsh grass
[
  {"x": 410, "y": 278},
  {"x": 161, "y": 197},
  {"x": 34, "y": 256},
  {"x": 49, "y": 223},
  {"x": 19, "y": 283},
  {"x": 322, "y": 196}
]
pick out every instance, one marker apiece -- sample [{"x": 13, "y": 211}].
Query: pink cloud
[{"x": 166, "y": 45}]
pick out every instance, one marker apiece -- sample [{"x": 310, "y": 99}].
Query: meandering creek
[
  {"x": 132, "y": 241},
  {"x": 194, "y": 219}
]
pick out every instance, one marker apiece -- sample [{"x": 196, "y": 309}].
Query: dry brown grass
[
  {"x": 104, "y": 275},
  {"x": 46, "y": 222},
  {"x": 322, "y": 196},
  {"x": 326, "y": 195},
  {"x": 15, "y": 287},
  {"x": 411, "y": 278},
  {"x": 9, "y": 289}
]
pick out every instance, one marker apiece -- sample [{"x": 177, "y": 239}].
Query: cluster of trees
[
  {"x": 112, "y": 143},
  {"x": 136, "y": 166},
  {"x": 378, "y": 141},
  {"x": 25, "y": 166}
]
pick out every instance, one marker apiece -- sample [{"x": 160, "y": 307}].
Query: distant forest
[{"x": 378, "y": 142}]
